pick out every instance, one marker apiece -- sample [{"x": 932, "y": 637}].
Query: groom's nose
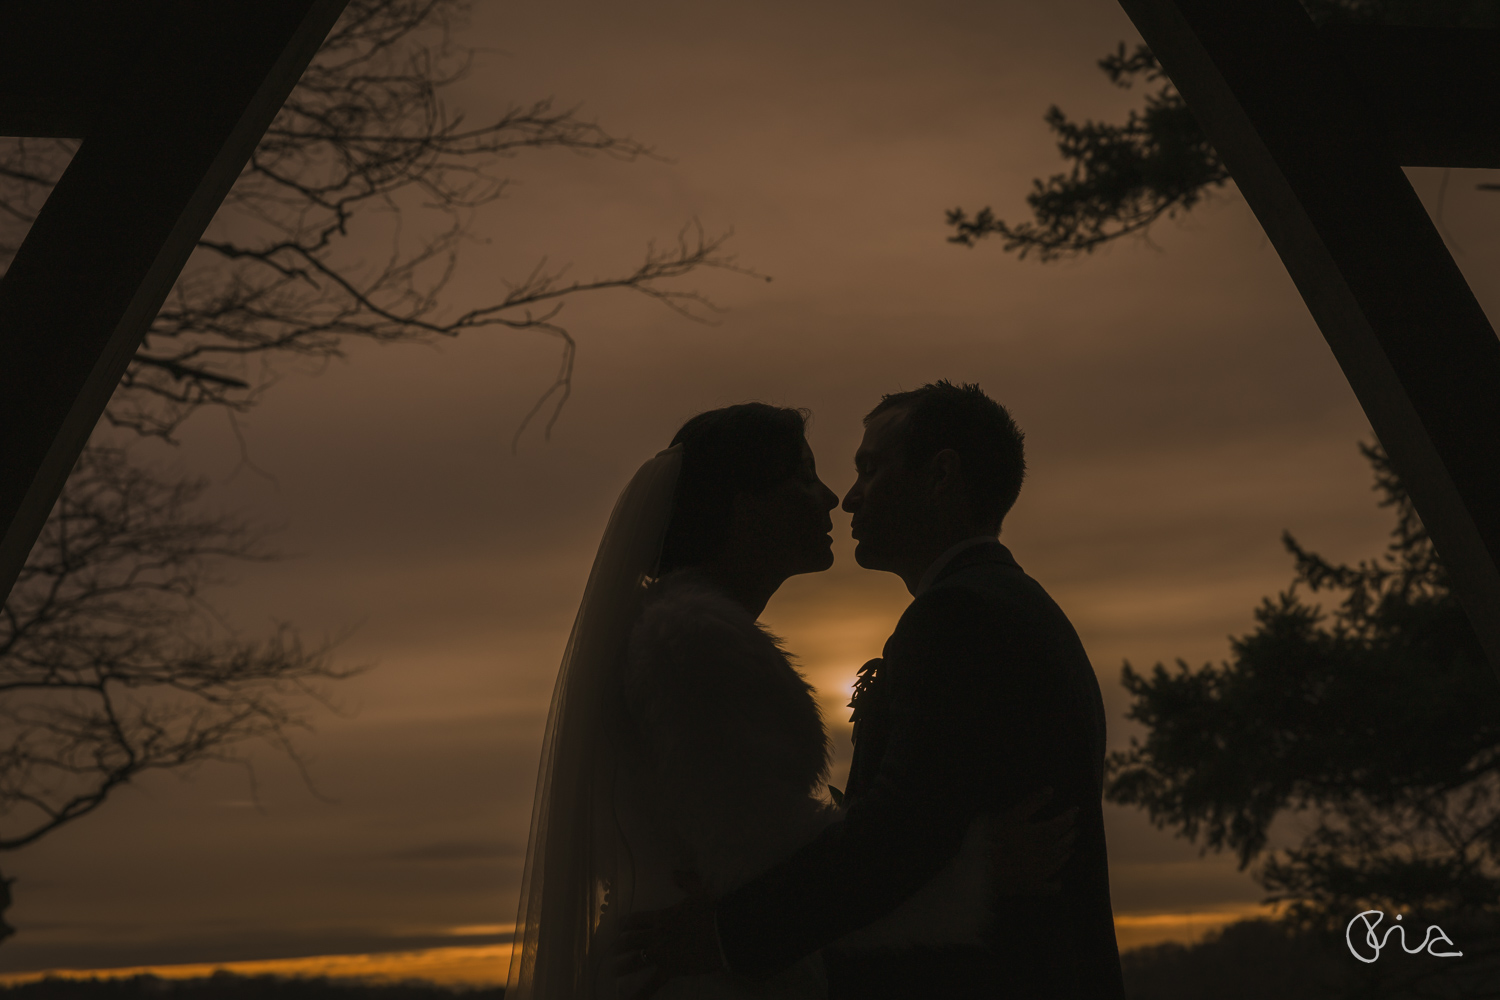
[{"x": 851, "y": 499}]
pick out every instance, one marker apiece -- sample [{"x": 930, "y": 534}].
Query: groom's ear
[{"x": 946, "y": 472}]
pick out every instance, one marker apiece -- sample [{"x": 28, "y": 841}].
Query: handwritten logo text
[{"x": 1375, "y": 944}]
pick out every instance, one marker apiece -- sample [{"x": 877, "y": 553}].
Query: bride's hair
[{"x": 746, "y": 448}]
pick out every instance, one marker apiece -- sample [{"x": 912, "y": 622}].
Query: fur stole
[{"x": 732, "y": 753}]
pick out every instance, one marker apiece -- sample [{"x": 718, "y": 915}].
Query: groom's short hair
[{"x": 961, "y": 417}]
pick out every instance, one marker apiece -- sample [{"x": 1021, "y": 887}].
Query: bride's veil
[{"x": 576, "y": 859}]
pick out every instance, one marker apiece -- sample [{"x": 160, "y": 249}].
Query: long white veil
[{"x": 576, "y": 860}]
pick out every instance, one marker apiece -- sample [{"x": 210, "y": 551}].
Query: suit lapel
[{"x": 872, "y": 686}]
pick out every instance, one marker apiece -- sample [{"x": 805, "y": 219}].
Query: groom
[{"x": 983, "y": 694}]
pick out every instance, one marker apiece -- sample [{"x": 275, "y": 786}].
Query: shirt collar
[{"x": 942, "y": 561}]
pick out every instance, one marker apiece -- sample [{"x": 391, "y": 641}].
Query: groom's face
[{"x": 888, "y": 500}]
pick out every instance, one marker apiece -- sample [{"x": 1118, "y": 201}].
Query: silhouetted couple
[{"x": 681, "y": 844}]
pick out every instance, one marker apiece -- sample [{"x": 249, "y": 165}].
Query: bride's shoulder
[
  {"x": 689, "y": 622},
  {"x": 685, "y": 611},
  {"x": 690, "y": 589},
  {"x": 714, "y": 693}
]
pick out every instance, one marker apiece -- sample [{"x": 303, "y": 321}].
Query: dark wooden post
[
  {"x": 1315, "y": 142},
  {"x": 170, "y": 102}
]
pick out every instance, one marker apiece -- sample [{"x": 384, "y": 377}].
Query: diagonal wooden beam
[
  {"x": 60, "y": 60},
  {"x": 159, "y": 157},
  {"x": 1310, "y": 157},
  {"x": 1434, "y": 92}
]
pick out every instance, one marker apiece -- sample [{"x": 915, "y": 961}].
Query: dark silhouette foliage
[
  {"x": 1124, "y": 177},
  {"x": 1249, "y": 960},
  {"x": 1257, "y": 959},
  {"x": 1378, "y": 723},
  {"x": 1374, "y": 727}
]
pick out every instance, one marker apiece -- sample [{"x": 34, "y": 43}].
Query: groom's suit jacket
[{"x": 984, "y": 693}]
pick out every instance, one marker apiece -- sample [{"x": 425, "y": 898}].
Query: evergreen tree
[
  {"x": 1377, "y": 723},
  {"x": 1123, "y": 178}
]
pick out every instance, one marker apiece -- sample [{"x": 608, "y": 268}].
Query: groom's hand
[
  {"x": 1026, "y": 857},
  {"x": 678, "y": 941}
]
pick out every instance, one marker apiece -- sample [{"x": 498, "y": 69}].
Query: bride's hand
[
  {"x": 1026, "y": 857},
  {"x": 678, "y": 941}
]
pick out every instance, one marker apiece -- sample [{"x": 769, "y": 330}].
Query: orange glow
[
  {"x": 486, "y": 965},
  {"x": 1136, "y": 930},
  {"x": 474, "y": 965}
]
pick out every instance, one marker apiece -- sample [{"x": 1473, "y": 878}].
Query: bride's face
[{"x": 788, "y": 525}]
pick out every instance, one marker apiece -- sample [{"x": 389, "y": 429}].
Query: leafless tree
[
  {"x": 365, "y": 142},
  {"x": 111, "y": 663}
]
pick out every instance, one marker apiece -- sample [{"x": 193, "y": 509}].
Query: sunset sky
[{"x": 1180, "y": 406}]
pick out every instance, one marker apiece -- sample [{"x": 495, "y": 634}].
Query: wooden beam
[
  {"x": 118, "y": 228},
  {"x": 60, "y": 60},
  {"x": 1311, "y": 160},
  {"x": 1434, "y": 92}
]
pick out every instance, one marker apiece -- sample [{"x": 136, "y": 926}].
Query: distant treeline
[
  {"x": 1249, "y": 960},
  {"x": 1261, "y": 959},
  {"x": 227, "y": 986}
]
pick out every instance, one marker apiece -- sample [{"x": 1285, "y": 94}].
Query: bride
[{"x": 684, "y": 753}]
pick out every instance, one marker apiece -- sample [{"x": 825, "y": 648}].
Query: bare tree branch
[
  {"x": 111, "y": 664},
  {"x": 365, "y": 150}
]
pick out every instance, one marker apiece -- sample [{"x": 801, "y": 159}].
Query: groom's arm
[{"x": 959, "y": 741}]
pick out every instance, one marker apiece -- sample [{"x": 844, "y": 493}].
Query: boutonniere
[{"x": 863, "y": 682}]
